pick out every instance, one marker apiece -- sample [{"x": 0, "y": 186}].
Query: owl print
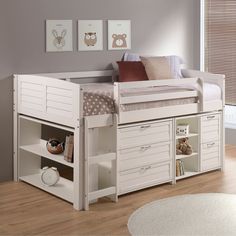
[{"x": 90, "y": 39}]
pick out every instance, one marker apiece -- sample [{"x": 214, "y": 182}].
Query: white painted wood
[
  {"x": 142, "y": 135},
  {"x": 81, "y": 74},
  {"x": 63, "y": 189},
  {"x": 99, "y": 121},
  {"x": 179, "y": 157},
  {"x": 46, "y": 123},
  {"x": 155, "y": 83},
  {"x": 144, "y": 155},
  {"x": 41, "y": 150},
  {"x": 40, "y": 88},
  {"x": 188, "y": 174},
  {"x": 102, "y": 193},
  {"x": 93, "y": 155},
  {"x": 157, "y": 113},
  {"x": 15, "y": 128},
  {"x": 101, "y": 158},
  {"x": 157, "y": 97},
  {"x": 146, "y": 176},
  {"x": 210, "y": 127},
  {"x": 186, "y": 136}
]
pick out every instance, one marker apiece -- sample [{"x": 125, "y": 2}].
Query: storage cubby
[
  {"x": 33, "y": 156},
  {"x": 188, "y": 162}
]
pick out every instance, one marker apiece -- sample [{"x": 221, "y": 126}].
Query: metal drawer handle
[
  {"x": 210, "y": 117},
  {"x": 144, "y": 169},
  {"x": 145, "y": 148},
  {"x": 145, "y": 126},
  {"x": 148, "y": 167},
  {"x": 210, "y": 144}
]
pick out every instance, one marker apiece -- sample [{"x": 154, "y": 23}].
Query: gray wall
[{"x": 159, "y": 27}]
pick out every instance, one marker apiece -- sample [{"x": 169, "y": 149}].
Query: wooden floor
[{"x": 25, "y": 210}]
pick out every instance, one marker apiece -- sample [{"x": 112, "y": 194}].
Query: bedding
[
  {"x": 157, "y": 68},
  {"x": 131, "y": 71},
  {"x": 175, "y": 63},
  {"x": 98, "y": 97}
]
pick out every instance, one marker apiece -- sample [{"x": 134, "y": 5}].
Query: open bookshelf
[{"x": 188, "y": 165}]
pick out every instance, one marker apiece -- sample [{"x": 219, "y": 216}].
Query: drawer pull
[
  {"x": 148, "y": 167},
  {"x": 144, "y": 169},
  {"x": 210, "y": 117},
  {"x": 145, "y": 127},
  {"x": 210, "y": 144},
  {"x": 145, "y": 148}
]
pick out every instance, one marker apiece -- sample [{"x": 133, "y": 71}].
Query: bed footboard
[{"x": 48, "y": 99}]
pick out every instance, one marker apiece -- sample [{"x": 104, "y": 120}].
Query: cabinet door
[
  {"x": 210, "y": 155},
  {"x": 210, "y": 127},
  {"x": 211, "y": 141}
]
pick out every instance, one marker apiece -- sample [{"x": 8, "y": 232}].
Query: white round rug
[{"x": 193, "y": 214}]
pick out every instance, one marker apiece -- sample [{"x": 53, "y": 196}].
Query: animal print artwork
[
  {"x": 119, "y": 34},
  {"x": 59, "y": 40},
  {"x": 119, "y": 41},
  {"x": 90, "y": 39},
  {"x": 59, "y": 36}
]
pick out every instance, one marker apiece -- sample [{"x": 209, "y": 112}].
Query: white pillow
[{"x": 175, "y": 63}]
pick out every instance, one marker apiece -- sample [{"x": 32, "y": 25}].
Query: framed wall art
[
  {"x": 90, "y": 35},
  {"x": 119, "y": 34},
  {"x": 59, "y": 35}
]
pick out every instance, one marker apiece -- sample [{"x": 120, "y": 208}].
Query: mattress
[{"x": 99, "y": 98}]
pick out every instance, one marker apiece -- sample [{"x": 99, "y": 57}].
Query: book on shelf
[
  {"x": 69, "y": 148},
  {"x": 179, "y": 168}
]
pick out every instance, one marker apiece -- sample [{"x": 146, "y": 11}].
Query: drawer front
[
  {"x": 211, "y": 163},
  {"x": 145, "y": 176},
  {"x": 144, "y": 155},
  {"x": 210, "y": 155},
  {"x": 210, "y": 149},
  {"x": 144, "y": 134},
  {"x": 210, "y": 126}
]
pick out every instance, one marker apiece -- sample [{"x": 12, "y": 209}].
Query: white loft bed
[
  {"x": 57, "y": 99},
  {"x": 42, "y": 97}
]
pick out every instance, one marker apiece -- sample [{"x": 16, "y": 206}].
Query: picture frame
[
  {"x": 119, "y": 34},
  {"x": 59, "y": 36},
  {"x": 90, "y": 35}
]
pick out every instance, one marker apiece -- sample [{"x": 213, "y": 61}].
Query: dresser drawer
[
  {"x": 212, "y": 163},
  {"x": 210, "y": 147},
  {"x": 145, "y": 133},
  {"x": 145, "y": 176},
  {"x": 144, "y": 155},
  {"x": 210, "y": 155},
  {"x": 210, "y": 127}
]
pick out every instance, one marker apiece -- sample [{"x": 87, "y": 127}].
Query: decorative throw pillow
[
  {"x": 157, "y": 68},
  {"x": 175, "y": 63},
  {"x": 131, "y": 71}
]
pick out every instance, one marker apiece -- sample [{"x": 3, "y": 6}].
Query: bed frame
[{"x": 57, "y": 98}]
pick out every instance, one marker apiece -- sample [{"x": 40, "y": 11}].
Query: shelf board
[
  {"x": 187, "y": 174},
  {"x": 186, "y": 136},
  {"x": 63, "y": 189},
  {"x": 41, "y": 150},
  {"x": 178, "y": 157},
  {"x": 102, "y": 158}
]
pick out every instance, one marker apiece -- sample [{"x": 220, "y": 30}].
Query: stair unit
[{"x": 100, "y": 149}]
